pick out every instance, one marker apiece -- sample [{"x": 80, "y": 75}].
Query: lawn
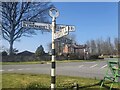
[
  {"x": 28, "y": 81},
  {"x": 44, "y": 62}
]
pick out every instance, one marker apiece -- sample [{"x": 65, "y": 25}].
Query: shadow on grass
[
  {"x": 90, "y": 87},
  {"x": 36, "y": 86}
]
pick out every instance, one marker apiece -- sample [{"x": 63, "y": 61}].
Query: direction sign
[
  {"x": 36, "y": 25},
  {"x": 70, "y": 27},
  {"x": 46, "y": 26},
  {"x": 62, "y": 32}
]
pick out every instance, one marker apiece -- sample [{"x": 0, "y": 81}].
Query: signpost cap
[{"x": 53, "y": 12}]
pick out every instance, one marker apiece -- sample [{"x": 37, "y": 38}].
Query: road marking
[
  {"x": 93, "y": 66},
  {"x": 90, "y": 62},
  {"x": 81, "y": 66},
  {"x": 27, "y": 68},
  {"x": 1, "y": 70},
  {"x": 48, "y": 63},
  {"x": 20, "y": 69},
  {"x": 10, "y": 69},
  {"x": 103, "y": 66}
]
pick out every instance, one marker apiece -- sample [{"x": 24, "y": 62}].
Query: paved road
[{"x": 94, "y": 69}]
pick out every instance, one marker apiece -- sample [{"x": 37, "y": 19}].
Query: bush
[
  {"x": 111, "y": 56},
  {"x": 40, "y": 51},
  {"x": 94, "y": 56},
  {"x": 72, "y": 56},
  {"x": 4, "y": 53}
]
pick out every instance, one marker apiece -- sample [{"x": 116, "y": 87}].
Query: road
[{"x": 95, "y": 69}]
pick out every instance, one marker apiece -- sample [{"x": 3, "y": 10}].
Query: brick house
[{"x": 82, "y": 51}]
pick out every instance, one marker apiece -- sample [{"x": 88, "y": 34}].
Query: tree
[
  {"x": 107, "y": 47},
  {"x": 117, "y": 45},
  {"x": 99, "y": 47},
  {"x": 40, "y": 51},
  {"x": 13, "y": 13},
  {"x": 93, "y": 47},
  {"x": 4, "y": 53},
  {"x": 15, "y": 51}
]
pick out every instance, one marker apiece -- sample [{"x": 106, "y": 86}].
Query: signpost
[
  {"x": 46, "y": 26},
  {"x": 62, "y": 32},
  {"x": 36, "y": 25},
  {"x": 58, "y": 31},
  {"x": 53, "y": 13},
  {"x": 70, "y": 27}
]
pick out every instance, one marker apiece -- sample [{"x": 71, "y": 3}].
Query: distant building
[
  {"x": 82, "y": 51},
  {"x": 25, "y": 53}
]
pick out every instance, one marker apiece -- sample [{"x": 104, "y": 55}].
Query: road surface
[{"x": 95, "y": 69}]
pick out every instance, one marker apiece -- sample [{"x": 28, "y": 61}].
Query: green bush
[
  {"x": 94, "y": 56},
  {"x": 4, "y": 53}
]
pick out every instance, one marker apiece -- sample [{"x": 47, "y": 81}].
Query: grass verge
[
  {"x": 44, "y": 62},
  {"x": 29, "y": 81}
]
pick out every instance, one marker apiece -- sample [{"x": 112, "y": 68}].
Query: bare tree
[
  {"x": 93, "y": 47},
  {"x": 110, "y": 46},
  {"x": 116, "y": 44},
  {"x": 107, "y": 47},
  {"x": 99, "y": 47},
  {"x": 13, "y": 13}
]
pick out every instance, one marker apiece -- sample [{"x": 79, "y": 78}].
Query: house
[
  {"x": 25, "y": 53},
  {"x": 82, "y": 51}
]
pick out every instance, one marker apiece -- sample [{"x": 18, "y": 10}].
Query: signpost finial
[{"x": 53, "y": 12}]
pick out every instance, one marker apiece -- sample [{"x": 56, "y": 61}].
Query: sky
[{"x": 92, "y": 20}]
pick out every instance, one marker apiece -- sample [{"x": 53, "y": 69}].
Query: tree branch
[
  {"x": 5, "y": 29},
  {"x": 23, "y": 9},
  {"x": 5, "y": 37}
]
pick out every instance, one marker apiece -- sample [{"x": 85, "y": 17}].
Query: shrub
[
  {"x": 111, "y": 56},
  {"x": 4, "y": 53},
  {"x": 94, "y": 56}
]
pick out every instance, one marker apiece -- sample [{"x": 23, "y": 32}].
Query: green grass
[
  {"x": 44, "y": 62},
  {"x": 0, "y": 76},
  {"x": 29, "y": 81}
]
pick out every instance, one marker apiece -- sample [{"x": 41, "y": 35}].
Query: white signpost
[
  {"x": 46, "y": 26},
  {"x": 58, "y": 31},
  {"x": 36, "y": 25},
  {"x": 70, "y": 27},
  {"x": 62, "y": 32}
]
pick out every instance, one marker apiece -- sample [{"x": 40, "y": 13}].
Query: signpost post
[
  {"x": 58, "y": 31},
  {"x": 54, "y": 14}
]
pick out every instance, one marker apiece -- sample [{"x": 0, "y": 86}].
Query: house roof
[
  {"x": 25, "y": 53},
  {"x": 77, "y": 46}
]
